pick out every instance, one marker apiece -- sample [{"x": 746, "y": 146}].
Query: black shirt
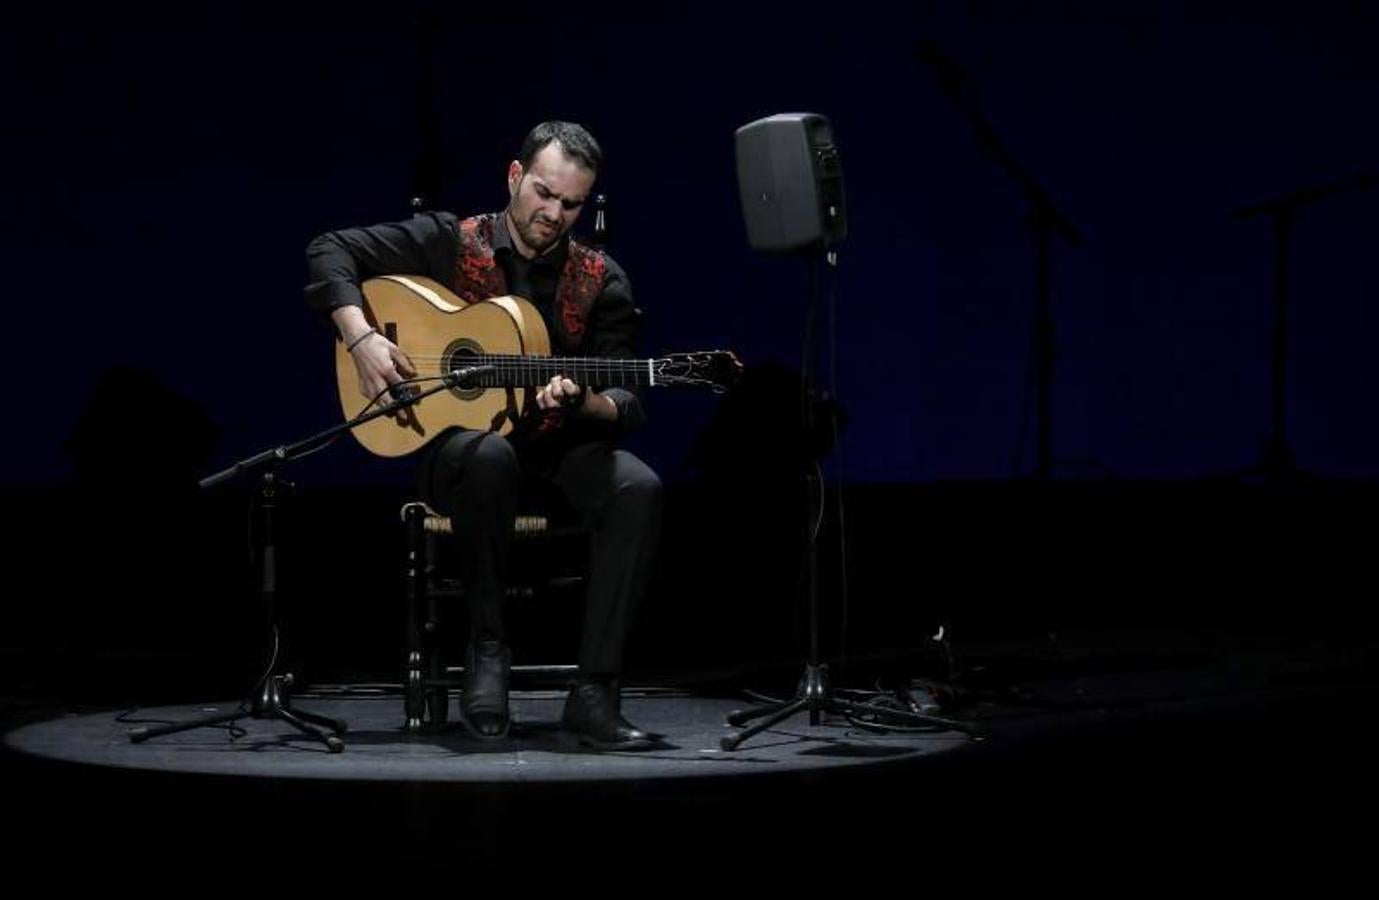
[{"x": 428, "y": 244}]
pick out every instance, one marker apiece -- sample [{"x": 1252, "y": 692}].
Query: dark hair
[{"x": 577, "y": 144}]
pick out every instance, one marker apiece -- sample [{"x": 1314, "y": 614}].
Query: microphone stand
[
  {"x": 1044, "y": 221},
  {"x": 270, "y": 695},
  {"x": 1276, "y": 463}
]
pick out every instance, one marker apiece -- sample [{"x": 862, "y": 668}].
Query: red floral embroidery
[
  {"x": 477, "y": 276},
  {"x": 580, "y": 284}
]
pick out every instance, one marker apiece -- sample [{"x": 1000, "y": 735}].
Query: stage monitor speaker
[{"x": 790, "y": 181}]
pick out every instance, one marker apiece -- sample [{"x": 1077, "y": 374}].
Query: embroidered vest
[{"x": 479, "y": 277}]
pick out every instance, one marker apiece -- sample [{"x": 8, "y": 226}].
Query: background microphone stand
[
  {"x": 269, "y": 698},
  {"x": 1044, "y": 221},
  {"x": 1276, "y": 463}
]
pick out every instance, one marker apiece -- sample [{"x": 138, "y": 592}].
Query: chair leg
[
  {"x": 437, "y": 696},
  {"x": 415, "y": 668}
]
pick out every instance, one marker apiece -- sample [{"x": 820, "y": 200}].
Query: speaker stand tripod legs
[{"x": 816, "y": 695}]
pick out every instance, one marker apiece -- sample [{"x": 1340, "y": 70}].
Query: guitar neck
[{"x": 532, "y": 371}]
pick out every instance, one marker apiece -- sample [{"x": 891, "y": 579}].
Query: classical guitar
[{"x": 506, "y": 338}]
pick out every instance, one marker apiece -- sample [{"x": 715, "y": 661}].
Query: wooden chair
[{"x": 427, "y": 680}]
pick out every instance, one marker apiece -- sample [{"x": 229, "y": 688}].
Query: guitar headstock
[{"x": 714, "y": 369}]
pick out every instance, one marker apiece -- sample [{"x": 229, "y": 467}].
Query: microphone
[{"x": 464, "y": 377}]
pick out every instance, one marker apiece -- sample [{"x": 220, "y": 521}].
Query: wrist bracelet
[{"x": 355, "y": 343}]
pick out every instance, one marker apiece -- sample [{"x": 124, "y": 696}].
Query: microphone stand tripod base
[{"x": 271, "y": 703}]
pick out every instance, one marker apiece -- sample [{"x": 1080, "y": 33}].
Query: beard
[{"x": 536, "y": 238}]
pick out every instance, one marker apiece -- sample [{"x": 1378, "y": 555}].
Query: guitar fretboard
[{"x": 531, "y": 371}]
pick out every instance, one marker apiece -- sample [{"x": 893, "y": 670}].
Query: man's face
[{"x": 547, "y": 197}]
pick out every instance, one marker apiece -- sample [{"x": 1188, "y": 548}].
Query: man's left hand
[{"x": 562, "y": 393}]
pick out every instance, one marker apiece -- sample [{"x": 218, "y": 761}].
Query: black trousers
[{"x": 477, "y": 479}]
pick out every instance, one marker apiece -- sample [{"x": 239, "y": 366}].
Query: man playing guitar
[{"x": 568, "y": 439}]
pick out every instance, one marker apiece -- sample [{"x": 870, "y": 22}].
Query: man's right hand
[{"x": 380, "y": 363}]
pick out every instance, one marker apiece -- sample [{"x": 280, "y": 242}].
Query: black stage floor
[{"x": 1141, "y": 758}]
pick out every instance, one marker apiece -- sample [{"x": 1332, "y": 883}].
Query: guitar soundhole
[{"x": 456, "y": 354}]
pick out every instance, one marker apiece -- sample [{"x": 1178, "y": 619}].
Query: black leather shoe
[
  {"x": 484, "y": 697},
  {"x": 593, "y": 718}
]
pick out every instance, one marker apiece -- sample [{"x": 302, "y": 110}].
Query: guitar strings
[{"x": 612, "y": 371}]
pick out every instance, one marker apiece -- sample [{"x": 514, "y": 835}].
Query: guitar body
[{"x": 434, "y": 328}]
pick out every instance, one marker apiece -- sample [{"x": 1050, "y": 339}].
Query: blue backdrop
[{"x": 166, "y": 172}]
